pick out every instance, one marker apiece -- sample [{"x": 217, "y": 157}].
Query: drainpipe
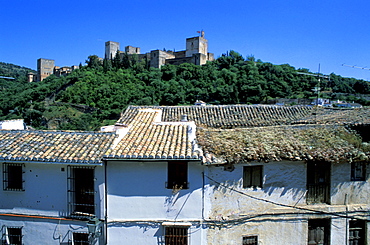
[
  {"x": 347, "y": 223},
  {"x": 105, "y": 203}
]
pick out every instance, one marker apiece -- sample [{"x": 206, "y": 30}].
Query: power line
[
  {"x": 358, "y": 67},
  {"x": 285, "y": 205}
]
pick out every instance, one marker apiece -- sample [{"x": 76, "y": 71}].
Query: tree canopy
[{"x": 95, "y": 94}]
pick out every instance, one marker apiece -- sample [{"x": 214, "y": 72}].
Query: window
[
  {"x": 13, "y": 177},
  {"x": 176, "y": 235},
  {"x": 356, "y": 232},
  {"x": 81, "y": 192},
  {"x": 177, "y": 175},
  {"x": 80, "y": 238},
  {"x": 12, "y": 236},
  {"x": 252, "y": 176},
  {"x": 250, "y": 240},
  {"x": 358, "y": 171},
  {"x": 319, "y": 232},
  {"x": 318, "y": 182}
]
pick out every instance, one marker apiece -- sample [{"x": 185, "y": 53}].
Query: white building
[
  {"x": 229, "y": 175},
  {"x": 53, "y": 184}
]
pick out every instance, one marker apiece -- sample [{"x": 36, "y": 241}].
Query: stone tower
[
  {"x": 45, "y": 67},
  {"x": 111, "y": 49},
  {"x": 196, "y": 45}
]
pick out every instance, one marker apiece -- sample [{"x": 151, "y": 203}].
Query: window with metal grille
[
  {"x": 357, "y": 232},
  {"x": 13, "y": 177},
  {"x": 80, "y": 238},
  {"x": 250, "y": 240},
  {"x": 12, "y": 235},
  {"x": 81, "y": 192},
  {"x": 358, "y": 171},
  {"x": 252, "y": 176},
  {"x": 319, "y": 232},
  {"x": 176, "y": 235},
  {"x": 177, "y": 175},
  {"x": 318, "y": 182}
]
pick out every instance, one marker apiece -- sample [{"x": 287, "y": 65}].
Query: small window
[
  {"x": 177, "y": 175},
  {"x": 252, "y": 176},
  {"x": 250, "y": 240},
  {"x": 358, "y": 171},
  {"x": 356, "y": 232},
  {"x": 12, "y": 235},
  {"x": 80, "y": 238},
  {"x": 13, "y": 177},
  {"x": 176, "y": 236},
  {"x": 318, "y": 232}
]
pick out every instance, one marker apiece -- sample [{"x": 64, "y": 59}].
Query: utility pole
[{"x": 317, "y": 88}]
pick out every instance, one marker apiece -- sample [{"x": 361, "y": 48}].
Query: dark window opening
[
  {"x": 319, "y": 232},
  {"x": 363, "y": 131},
  {"x": 13, "y": 236},
  {"x": 250, "y": 240},
  {"x": 80, "y": 238},
  {"x": 318, "y": 182},
  {"x": 176, "y": 236},
  {"x": 13, "y": 177},
  {"x": 357, "y": 232},
  {"x": 177, "y": 175},
  {"x": 358, "y": 171},
  {"x": 252, "y": 176},
  {"x": 81, "y": 191}
]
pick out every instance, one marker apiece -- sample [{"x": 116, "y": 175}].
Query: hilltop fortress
[{"x": 196, "y": 53}]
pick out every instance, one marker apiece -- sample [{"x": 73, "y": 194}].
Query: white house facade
[{"x": 190, "y": 175}]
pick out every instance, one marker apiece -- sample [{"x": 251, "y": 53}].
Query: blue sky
[{"x": 303, "y": 34}]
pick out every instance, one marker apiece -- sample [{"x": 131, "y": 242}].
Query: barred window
[
  {"x": 176, "y": 235},
  {"x": 13, "y": 177},
  {"x": 81, "y": 191},
  {"x": 358, "y": 171},
  {"x": 357, "y": 230},
  {"x": 12, "y": 236},
  {"x": 250, "y": 240},
  {"x": 80, "y": 238},
  {"x": 318, "y": 232}
]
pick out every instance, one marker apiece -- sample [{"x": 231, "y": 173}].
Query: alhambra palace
[{"x": 196, "y": 53}]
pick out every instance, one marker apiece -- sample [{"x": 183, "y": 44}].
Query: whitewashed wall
[
  {"x": 45, "y": 196},
  {"x": 236, "y": 215},
  {"x": 138, "y": 202},
  {"x": 44, "y": 231},
  {"x": 46, "y": 191}
]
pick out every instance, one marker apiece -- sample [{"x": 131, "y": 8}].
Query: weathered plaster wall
[
  {"x": 345, "y": 191},
  {"x": 235, "y": 213},
  {"x": 282, "y": 183},
  {"x": 269, "y": 231}
]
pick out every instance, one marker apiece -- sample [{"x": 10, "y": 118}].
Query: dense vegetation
[{"x": 95, "y": 94}]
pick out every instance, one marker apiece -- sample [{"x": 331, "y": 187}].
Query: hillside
[{"x": 95, "y": 94}]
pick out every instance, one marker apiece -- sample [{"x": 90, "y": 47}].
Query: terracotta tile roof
[
  {"x": 337, "y": 116},
  {"x": 54, "y": 146},
  {"x": 227, "y": 116},
  {"x": 147, "y": 137},
  {"x": 242, "y": 116},
  {"x": 306, "y": 142}
]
